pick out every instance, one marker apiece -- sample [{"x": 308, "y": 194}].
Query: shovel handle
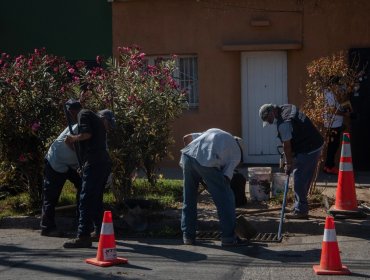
[{"x": 286, "y": 187}]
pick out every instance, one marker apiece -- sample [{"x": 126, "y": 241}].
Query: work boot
[
  {"x": 188, "y": 241},
  {"x": 297, "y": 215},
  {"x": 79, "y": 242}
]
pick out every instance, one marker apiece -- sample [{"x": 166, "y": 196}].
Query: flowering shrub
[
  {"x": 32, "y": 90},
  {"x": 145, "y": 99}
]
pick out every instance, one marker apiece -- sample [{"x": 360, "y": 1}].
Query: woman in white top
[{"x": 333, "y": 120}]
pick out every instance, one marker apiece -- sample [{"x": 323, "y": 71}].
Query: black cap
[
  {"x": 73, "y": 104},
  {"x": 109, "y": 116}
]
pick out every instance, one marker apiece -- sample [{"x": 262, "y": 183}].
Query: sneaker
[
  {"x": 237, "y": 242},
  {"x": 331, "y": 170},
  {"x": 188, "y": 241},
  {"x": 79, "y": 242},
  {"x": 53, "y": 232},
  {"x": 297, "y": 215}
]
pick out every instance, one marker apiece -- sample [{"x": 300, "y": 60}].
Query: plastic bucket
[
  {"x": 278, "y": 183},
  {"x": 259, "y": 183}
]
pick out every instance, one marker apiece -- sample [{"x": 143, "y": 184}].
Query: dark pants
[
  {"x": 333, "y": 145},
  {"x": 94, "y": 178},
  {"x": 52, "y": 188}
]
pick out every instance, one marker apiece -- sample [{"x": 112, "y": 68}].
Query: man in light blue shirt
[
  {"x": 60, "y": 164},
  {"x": 210, "y": 156}
]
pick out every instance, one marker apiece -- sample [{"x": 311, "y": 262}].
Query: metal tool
[
  {"x": 286, "y": 188},
  {"x": 273, "y": 237}
]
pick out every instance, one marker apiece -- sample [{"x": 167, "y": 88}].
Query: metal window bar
[{"x": 186, "y": 76}]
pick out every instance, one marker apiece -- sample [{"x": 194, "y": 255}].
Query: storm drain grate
[
  {"x": 266, "y": 237},
  {"x": 259, "y": 237},
  {"x": 209, "y": 235}
]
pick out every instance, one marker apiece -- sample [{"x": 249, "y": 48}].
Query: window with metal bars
[{"x": 186, "y": 75}]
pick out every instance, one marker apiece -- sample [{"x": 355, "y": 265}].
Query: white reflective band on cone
[
  {"x": 330, "y": 235},
  {"x": 346, "y": 150},
  {"x": 107, "y": 228},
  {"x": 345, "y": 166}
]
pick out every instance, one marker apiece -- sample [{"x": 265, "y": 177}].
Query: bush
[
  {"x": 32, "y": 90},
  {"x": 145, "y": 99}
]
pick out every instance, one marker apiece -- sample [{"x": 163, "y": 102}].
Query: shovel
[{"x": 286, "y": 187}]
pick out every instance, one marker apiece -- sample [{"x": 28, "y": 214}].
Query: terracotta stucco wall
[{"x": 208, "y": 28}]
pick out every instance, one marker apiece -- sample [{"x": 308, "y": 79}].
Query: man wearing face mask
[{"x": 302, "y": 144}]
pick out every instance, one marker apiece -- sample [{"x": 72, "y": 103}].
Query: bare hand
[{"x": 69, "y": 140}]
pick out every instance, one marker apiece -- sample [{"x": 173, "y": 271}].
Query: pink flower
[
  {"x": 35, "y": 126},
  {"x": 71, "y": 70},
  {"x": 22, "y": 158}
]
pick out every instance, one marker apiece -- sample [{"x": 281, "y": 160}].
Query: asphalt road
[{"x": 24, "y": 254}]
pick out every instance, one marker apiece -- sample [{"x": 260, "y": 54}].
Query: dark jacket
[{"x": 305, "y": 136}]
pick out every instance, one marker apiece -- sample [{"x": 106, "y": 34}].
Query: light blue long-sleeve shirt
[
  {"x": 60, "y": 156},
  {"x": 214, "y": 148}
]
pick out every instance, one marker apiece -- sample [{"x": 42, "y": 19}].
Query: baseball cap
[
  {"x": 264, "y": 111},
  {"x": 109, "y": 116},
  {"x": 73, "y": 104}
]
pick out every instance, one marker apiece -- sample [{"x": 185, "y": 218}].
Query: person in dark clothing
[
  {"x": 96, "y": 167},
  {"x": 302, "y": 144}
]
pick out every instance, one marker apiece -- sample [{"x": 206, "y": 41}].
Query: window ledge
[{"x": 262, "y": 47}]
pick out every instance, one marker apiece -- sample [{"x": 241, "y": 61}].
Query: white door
[{"x": 264, "y": 80}]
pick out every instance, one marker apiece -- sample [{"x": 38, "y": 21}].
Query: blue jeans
[
  {"x": 219, "y": 188},
  {"x": 305, "y": 166},
  {"x": 94, "y": 178}
]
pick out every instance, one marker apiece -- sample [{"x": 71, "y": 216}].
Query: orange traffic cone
[
  {"x": 345, "y": 198},
  {"x": 330, "y": 262},
  {"x": 107, "y": 254}
]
